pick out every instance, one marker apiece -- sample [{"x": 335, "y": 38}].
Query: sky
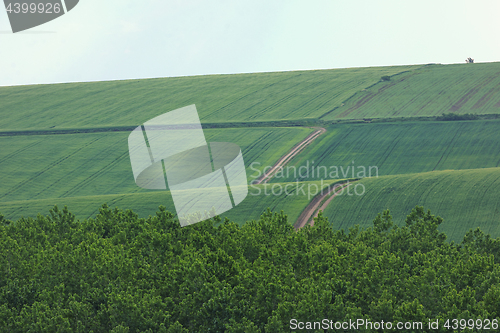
[{"x": 114, "y": 40}]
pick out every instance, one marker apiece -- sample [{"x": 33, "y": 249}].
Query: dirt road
[
  {"x": 312, "y": 209},
  {"x": 291, "y": 154}
]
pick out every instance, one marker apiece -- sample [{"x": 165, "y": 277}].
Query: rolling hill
[
  {"x": 427, "y": 91},
  {"x": 295, "y": 95},
  {"x": 465, "y": 199},
  {"x": 398, "y": 148},
  {"x": 322, "y": 96},
  {"x": 37, "y": 167},
  {"x": 260, "y": 198},
  {"x": 66, "y": 144}
]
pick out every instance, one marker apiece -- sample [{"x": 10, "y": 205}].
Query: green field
[
  {"x": 465, "y": 199},
  {"x": 84, "y": 170},
  {"x": 58, "y": 166},
  {"x": 295, "y": 95},
  {"x": 259, "y": 198},
  {"x": 428, "y": 91},
  {"x": 399, "y": 148}
]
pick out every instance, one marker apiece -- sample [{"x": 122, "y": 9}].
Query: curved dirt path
[
  {"x": 312, "y": 209},
  {"x": 291, "y": 154}
]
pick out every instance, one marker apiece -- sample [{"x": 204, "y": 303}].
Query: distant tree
[
  {"x": 386, "y": 78},
  {"x": 469, "y": 60}
]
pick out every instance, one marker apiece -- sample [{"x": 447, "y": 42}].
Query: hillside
[
  {"x": 60, "y": 169},
  {"x": 260, "y": 198},
  {"x": 54, "y": 150},
  {"x": 296, "y": 95},
  {"x": 336, "y": 94},
  {"x": 465, "y": 199},
  {"x": 398, "y": 148},
  {"x": 428, "y": 91}
]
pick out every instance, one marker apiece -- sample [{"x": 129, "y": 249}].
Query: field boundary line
[{"x": 128, "y": 128}]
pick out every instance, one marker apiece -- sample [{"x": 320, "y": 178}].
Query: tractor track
[{"x": 291, "y": 154}]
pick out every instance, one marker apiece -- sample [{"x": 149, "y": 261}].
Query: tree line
[{"x": 121, "y": 273}]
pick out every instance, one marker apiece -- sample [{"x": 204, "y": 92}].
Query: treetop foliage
[{"x": 121, "y": 273}]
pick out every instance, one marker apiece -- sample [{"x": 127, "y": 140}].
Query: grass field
[
  {"x": 293, "y": 95},
  {"x": 413, "y": 158},
  {"x": 428, "y": 91},
  {"x": 259, "y": 198},
  {"x": 465, "y": 199},
  {"x": 400, "y": 148},
  {"x": 330, "y": 95},
  {"x": 56, "y": 166}
]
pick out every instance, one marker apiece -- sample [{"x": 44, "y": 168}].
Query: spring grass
[
  {"x": 398, "y": 148},
  {"x": 294, "y": 95},
  {"x": 84, "y": 170},
  {"x": 259, "y": 199},
  {"x": 72, "y": 165},
  {"x": 428, "y": 91},
  {"x": 465, "y": 199}
]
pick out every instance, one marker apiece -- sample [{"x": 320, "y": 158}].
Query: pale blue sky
[{"x": 109, "y": 40}]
